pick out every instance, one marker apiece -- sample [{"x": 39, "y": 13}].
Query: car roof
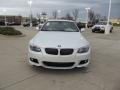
[{"x": 60, "y": 20}]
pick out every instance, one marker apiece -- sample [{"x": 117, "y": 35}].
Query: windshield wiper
[
  {"x": 58, "y": 30},
  {"x": 69, "y": 31},
  {"x": 46, "y": 30},
  {"x": 52, "y": 30},
  {"x": 63, "y": 31}
]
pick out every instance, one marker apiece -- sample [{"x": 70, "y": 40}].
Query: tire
[
  {"x": 102, "y": 31},
  {"x": 93, "y": 31},
  {"x": 111, "y": 30}
]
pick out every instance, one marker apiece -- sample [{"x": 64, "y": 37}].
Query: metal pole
[
  {"x": 87, "y": 9},
  {"x": 86, "y": 19},
  {"x": 30, "y": 16},
  {"x": 5, "y": 21},
  {"x": 59, "y": 11},
  {"x": 5, "y": 18},
  {"x": 30, "y": 6},
  {"x": 107, "y": 29}
]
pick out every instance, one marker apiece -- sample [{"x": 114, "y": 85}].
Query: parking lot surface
[{"x": 102, "y": 74}]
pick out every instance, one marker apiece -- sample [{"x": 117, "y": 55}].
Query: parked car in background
[
  {"x": 10, "y": 23},
  {"x": 100, "y": 27},
  {"x": 27, "y": 24},
  {"x": 81, "y": 25},
  {"x": 2, "y": 23},
  {"x": 59, "y": 45},
  {"x": 90, "y": 24},
  {"x": 39, "y": 26}
]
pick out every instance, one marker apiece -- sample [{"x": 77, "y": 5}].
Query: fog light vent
[
  {"x": 83, "y": 61},
  {"x": 34, "y": 60}
]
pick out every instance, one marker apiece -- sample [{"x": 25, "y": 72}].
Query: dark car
[
  {"x": 26, "y": 24},
  {"x": 81, "y": 25},
  {"x": 90, "y": 24},
  {"x": 2, "y": 23}
]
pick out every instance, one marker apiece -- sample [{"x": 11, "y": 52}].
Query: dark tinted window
[{"x": 60, "y": 26}]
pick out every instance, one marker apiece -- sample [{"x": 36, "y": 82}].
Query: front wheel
[
  {"x": 111, "y": 30},
  {"x": 93, "y": 31}
]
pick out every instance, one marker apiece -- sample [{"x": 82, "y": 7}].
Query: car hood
[
  {"x": 100, "y": 26},
  {"x": 64, "y": 39}
]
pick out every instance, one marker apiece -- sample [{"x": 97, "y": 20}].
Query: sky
[{"x": 21, "y": 7}]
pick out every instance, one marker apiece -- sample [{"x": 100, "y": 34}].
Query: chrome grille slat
[
  {"x": 66, "y": 51},
  {"x": 62, "y": 51},
  {"x": 51, "y": 51}
]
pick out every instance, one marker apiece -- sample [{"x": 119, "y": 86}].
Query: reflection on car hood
[{"x": 65, "y": 39}]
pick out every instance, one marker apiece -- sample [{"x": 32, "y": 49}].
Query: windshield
[
  {"x": 102, "y": 23},
  {"x": 60, "y": 26}
]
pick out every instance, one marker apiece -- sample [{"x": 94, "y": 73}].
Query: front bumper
[
  {"x": 59, "y": 62},
  {"x": 98, "y": 30}
]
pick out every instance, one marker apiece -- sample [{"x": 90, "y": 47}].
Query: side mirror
[{"x": 82, "y": 29}]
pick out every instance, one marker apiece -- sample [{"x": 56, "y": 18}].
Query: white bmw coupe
[{"x": 59, "y": 45}]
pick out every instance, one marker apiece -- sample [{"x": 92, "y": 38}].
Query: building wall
[{"x": 16, "y": 19}]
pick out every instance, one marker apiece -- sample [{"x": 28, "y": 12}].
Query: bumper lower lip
[
  {"x": 65, "y": 64},
  {"x": 56, "y": 65}
]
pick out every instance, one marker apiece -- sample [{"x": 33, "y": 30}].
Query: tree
[
  {"x": 93, "y": 17},
  {"x": 43, "y": 16},
  {"x": 97, "y": 18},
  {"x": 55, "y": 14},
  {"x": 44, "y": 13},
  {"x": 38, "y": 17},
  {"x": 75, "y": 14},
  {"x": 103, "y": 18},
  {"x": 68, "y": 16}
]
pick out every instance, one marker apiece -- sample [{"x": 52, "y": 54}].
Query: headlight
[
  {"x": 35, "y": 48},
  {"x": 83, "y": 49}
]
